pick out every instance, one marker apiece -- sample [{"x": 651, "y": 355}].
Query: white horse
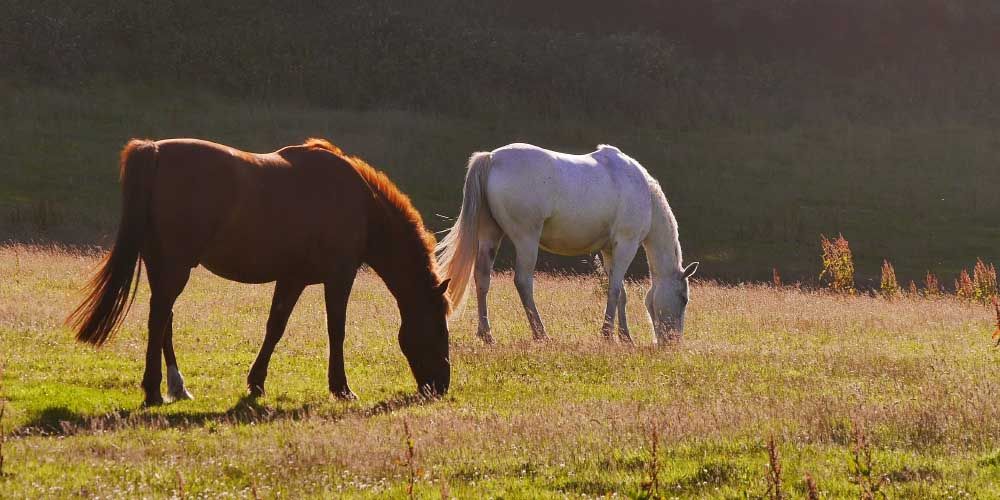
[{"x": 569, "y": 205}]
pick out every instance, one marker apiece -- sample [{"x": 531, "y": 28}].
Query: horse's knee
[
  {"x": 616, "y": 292},
  {"x": 484, "y": 267},
  {"x": 523, "y": 283}
]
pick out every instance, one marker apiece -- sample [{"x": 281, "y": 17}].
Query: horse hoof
[
  {"x": 345, "y": 395},
  {"x": 670, "y": 341},
  {"x": 179, "y": 395},
  {"x": 175, "y": 385},
  {"x": 154, "y": 401},
  {"x": 486, "y": 338},
  {"x": 541, "y": 338}
]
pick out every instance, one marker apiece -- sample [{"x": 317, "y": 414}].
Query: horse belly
[
  {"x": 242, "y": 264},
  {"x": 573, "y": 236},
  {"x": 261, "y": 249}
]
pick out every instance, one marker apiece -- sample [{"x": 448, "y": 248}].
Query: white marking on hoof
[{"x": 175, "y": 385}]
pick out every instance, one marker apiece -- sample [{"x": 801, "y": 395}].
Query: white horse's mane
[{"x": 662, "y": 207}]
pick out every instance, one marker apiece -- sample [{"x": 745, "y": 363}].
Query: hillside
[{"x": 768, "y": 123}]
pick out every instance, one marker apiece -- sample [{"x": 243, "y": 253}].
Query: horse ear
[
  {"x": 443, "y": 287},
  {"x": 690, "y": 270}
]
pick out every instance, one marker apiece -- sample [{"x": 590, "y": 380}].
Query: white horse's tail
[{"x": 457, "y": 252}]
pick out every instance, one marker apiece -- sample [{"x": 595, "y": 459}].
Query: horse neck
[
  {"x": 402, "y": 263},
  {"x": 662, "y": 246}
]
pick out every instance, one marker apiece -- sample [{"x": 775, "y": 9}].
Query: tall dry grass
[{"x": 755, "y": 360}]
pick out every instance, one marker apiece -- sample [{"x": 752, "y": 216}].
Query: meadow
[
  {"x": 768, "y": 124},
  {"x": 573, "y": 417}
]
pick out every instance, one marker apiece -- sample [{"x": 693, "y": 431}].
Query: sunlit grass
[{"x": 570, "y": 416}]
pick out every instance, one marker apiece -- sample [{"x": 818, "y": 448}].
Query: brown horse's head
[
  {"x": 402, "y": 253},
  {"x": 423, "y": 338}
]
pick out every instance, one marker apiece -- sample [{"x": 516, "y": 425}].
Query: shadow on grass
[{"x": 62, "y": 421}]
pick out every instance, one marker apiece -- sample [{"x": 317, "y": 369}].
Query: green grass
[{"x": 571, "y": 417}]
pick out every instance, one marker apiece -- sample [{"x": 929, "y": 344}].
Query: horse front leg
[
  {"x": 607, "y": 261},
  {"x": 483, "y": 271},
  {"x": 620, "y": 258},
  {"x": 337, "y": 292},
  {"x": 285, "y": 296},
  {"x": 623, "y": 332}
]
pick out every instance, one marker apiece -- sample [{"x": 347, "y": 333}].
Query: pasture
[
  {"x": 571, "y": 417},
  {"x": 768, "y": 123}
]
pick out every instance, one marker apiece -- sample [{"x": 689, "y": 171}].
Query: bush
[
  {"x": 963, "y": 286},
  {"x": 890, "y": 287},
  {"x": 838, "y": 264},
  {"x": 984, "y": 282},
  {"x": 932, "y": 287}
]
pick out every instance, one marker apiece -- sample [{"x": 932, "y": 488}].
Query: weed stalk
[
  {"x": 862, "y": 467},
  {"x": 180, "y": 486},
  {"x": 652, "y": 487},
  {"x": 812, "y": 491},
  {"x": 410, "y": 463},
  {"x": 3, "y": 432},
  {"x": 774, "y": 471}
]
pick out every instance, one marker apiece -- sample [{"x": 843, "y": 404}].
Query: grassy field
[
  {"x": 767, "y": 122},
  {"x": 571, "y": 417}
]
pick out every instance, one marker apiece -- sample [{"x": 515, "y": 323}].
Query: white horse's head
[{"x": 666, "y": 302}]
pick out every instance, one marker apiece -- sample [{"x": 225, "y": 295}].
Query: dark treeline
[
  {"x": 846, "y": 34},
  {"x": 668, "y": 63}
]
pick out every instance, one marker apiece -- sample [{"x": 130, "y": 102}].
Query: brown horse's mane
[{"x": 393, "y": 197}]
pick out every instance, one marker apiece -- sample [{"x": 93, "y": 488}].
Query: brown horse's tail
[{"x": 109, "y": 291}]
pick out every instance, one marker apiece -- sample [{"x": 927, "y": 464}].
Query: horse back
[
  {"x": 258, "y": 217},
  {"x": 580, "y": 201}
]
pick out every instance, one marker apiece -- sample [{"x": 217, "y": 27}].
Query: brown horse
[{"x": 302, "y": 215}]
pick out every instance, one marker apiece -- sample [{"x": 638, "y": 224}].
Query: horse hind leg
[
  {"x": 166, "y": 283},
  {"x": 489, "y": 243},
  {"x": 175, "y": 381},
  {"x": 524, "y": 269}
]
